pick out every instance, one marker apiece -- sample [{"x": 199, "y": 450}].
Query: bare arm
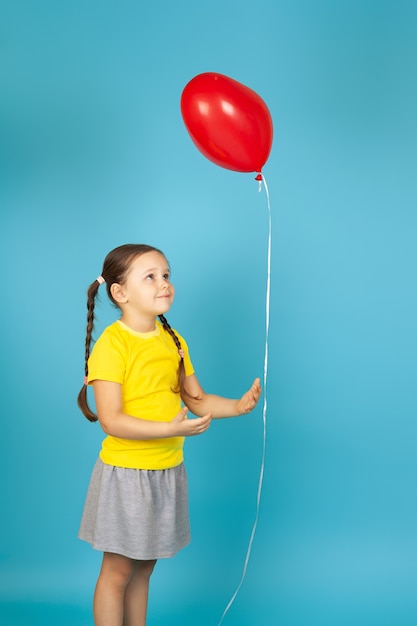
[
  {"x": 114, "y": 422},
  {"x": 201, "y": 403}
]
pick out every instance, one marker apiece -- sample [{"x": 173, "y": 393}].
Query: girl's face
[{"x": 147, "y": 290}]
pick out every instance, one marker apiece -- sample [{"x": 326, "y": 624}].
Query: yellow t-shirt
[{"x": 146, "y": 365}]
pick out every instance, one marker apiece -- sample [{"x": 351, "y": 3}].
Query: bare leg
[
  {"x": 121, "y": 596},
  {"x": 116, "y": 572},
  {"x": 136, "y": 594}
]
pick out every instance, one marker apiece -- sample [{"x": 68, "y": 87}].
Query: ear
[{"x": 118, "y": 293}]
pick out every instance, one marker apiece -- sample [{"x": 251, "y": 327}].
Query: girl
[{"x": 136, "y": 510}]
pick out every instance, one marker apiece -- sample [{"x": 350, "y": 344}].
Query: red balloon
[{"x": 228, "y": 122}]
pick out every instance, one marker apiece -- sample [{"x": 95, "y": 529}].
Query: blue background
[{"x": 93, "y": 154}]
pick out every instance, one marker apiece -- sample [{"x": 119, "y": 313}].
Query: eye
[
  {"x": 150, "y": 277},
  {"x": 166, "y": 276}
]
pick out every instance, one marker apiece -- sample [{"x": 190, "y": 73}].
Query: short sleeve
[{"x": 107, "y": 360}]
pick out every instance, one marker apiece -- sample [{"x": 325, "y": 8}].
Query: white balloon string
[{"x": 261, "y": 474}]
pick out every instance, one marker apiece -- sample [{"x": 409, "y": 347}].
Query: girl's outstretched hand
[
  {"x": 249, "y": 399},
  {"x": 184, "y": 427}
]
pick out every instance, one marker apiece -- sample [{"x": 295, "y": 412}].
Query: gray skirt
[{"x": 140, "y": 514}]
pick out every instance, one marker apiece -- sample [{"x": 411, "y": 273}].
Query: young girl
[{"x": 136, "y": 510}]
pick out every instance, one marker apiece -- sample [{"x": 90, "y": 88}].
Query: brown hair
[{"x": 115, "y": 267}]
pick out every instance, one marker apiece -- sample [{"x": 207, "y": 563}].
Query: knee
[{"x": 117, "y": 569}]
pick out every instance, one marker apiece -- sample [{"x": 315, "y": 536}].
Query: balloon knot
[{"x": 259, "y": 179}]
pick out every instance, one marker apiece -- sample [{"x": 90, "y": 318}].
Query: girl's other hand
[
  {"x": 249, "y": 399},
  {"x": 184, "y": 427}
]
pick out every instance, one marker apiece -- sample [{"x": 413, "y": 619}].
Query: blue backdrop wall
[{"x": 94, "y": 154}]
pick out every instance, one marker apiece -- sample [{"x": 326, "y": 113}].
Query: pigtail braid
[
  {"x": 169, "y": 330},
  {"x": 181, "y": 368},
  {"x": 82, "y": 396}
]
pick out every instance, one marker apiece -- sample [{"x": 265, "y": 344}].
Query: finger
[
  {"x": 201, "y": 427},
  {"x": 257, "y": 385},
  {"x": 205, "y": 421}
]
